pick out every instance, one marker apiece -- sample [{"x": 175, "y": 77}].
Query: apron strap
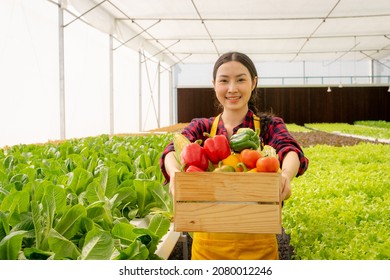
[{"x": 214, "y": 126}]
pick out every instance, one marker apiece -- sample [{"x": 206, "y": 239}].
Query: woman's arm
[
  {"x": 171, "y": 167},
  {"x": 290, "y": 169}
]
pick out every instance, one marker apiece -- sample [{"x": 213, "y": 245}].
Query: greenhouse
[{"x": 94, "y": 91}]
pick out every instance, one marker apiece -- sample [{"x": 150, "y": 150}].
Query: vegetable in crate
[
  {"x": 217, "y": 148},
  {"x": 193, "y": 168},
  {"x": 179, "y": 142},
  {"x": 245, "y": 138},
  {"x": 233, "y": 160},
  {"x": 249, "y": 157},
  {"x": 224, "y": 168},
  {"x": 194, "y": 154},
  {"x": 269, "y": 161}
]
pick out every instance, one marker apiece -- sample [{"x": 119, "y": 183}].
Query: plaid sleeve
[{"x": 279, "y": 138}]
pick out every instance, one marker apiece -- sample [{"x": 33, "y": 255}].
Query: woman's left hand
[
  {"x": 285, "y": 187},
  {"x": 289, "y": 171}
]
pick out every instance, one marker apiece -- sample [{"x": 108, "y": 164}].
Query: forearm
[{"x": 290, "y": 165}]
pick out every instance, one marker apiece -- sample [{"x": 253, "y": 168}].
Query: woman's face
[{"x": 233, "y": 85}]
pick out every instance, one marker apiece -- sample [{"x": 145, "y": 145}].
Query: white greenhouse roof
[{"x": 198, "y": 31}]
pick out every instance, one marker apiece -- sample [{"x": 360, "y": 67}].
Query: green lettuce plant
[{"x": 75, "y": 199}]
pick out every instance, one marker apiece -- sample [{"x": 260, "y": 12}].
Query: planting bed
[
  {"x": 73, "y": 182},
  {"x": 306, "y": 139}
]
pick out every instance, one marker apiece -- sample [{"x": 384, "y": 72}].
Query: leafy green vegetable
[
  {"x": 374, "y": 132},
  {"x": 75, "y": 199},
  {"x": 11, "y": 245},
  {"x": 292, "y": 127},
  {"x": 382, "y": 124},
  {"x": 339, "y": 208}
]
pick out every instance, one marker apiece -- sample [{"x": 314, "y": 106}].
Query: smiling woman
[{"x": 235, "y": 80}]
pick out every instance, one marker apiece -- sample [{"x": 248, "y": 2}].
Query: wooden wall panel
[{"x": 298, "y": 105}]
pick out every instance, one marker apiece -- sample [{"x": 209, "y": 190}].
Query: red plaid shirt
[{"x": 277, "y": 136}]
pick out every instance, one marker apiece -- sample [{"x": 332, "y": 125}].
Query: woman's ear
[{"x": 254, "y": 83}]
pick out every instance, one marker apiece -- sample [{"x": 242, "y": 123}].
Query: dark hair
[
  {"x": 265, "y": 117},
  {"x": 248, "y": 63}
]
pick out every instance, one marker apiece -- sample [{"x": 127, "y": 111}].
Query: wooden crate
[{"x": 243, "y": 202}]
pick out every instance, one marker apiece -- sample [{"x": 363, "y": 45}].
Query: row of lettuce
[
  {"x": 77, "y": 200},
  {"x": 340, "y": 207},
  {"x": 377, "y": 130}
]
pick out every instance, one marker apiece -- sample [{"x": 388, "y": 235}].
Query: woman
[{"x": 235, "y": 82}]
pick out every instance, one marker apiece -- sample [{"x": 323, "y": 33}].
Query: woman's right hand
[
  {"x": 172, "y": 182},
  {"x": 171, "y": 166}
]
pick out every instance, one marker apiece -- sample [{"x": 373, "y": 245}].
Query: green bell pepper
[{"x": 245, "y": 138}]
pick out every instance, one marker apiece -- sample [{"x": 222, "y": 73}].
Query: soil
[{"x": 182, "y": 249}]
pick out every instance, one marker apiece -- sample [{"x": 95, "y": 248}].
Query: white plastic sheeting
[
  {"x": 197, "y": 31},
  {"x": 293, "y": 43},
  {"x": 29, "y": 79}
]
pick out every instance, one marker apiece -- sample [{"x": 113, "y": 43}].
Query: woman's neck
[{"x": 231, "y": 119}]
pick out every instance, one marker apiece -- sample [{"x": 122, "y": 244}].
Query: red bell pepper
[
  {"x": 193, "y": 168},
  {"x": 194, "y": 154},
  {"x": 217, "y": 148}
]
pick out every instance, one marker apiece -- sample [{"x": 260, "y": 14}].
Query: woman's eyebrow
[{"x": 239, "y": 75}]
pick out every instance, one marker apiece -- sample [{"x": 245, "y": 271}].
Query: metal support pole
[
  {"x": 174, "y": 94},
  {"x": 61, "y": 70},
  {"x": 170, "y": 96},
  {"x": 158, "y": 94},
  {"x": 140, "y": 91},
  {"x": 111, "y": 62}
]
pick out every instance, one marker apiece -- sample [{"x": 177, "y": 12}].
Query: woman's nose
[{"x": 232, "y": 86}]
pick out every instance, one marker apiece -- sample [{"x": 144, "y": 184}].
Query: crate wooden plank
[
  {"x": 229, "y": 217},
  {"x": 227, "y": 186},
  {"x": 227, "y": 202}
]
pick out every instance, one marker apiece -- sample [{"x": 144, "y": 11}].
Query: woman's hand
[
  {"x": 172, "y": 182},
  {"x": 172, "y": 166},
  {"x": 289, "y": 171},
  {"x": 285, "y": 187}
]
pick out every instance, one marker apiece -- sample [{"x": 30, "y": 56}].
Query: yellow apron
[{"x": 234, "y": 246}]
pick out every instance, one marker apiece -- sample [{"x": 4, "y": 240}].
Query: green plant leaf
[
  {"x": 62, "y": 247},
  {"x": 4, "y": 226},
  {"x": 78, "y": 180},
  {"x": 17, "y": 202},
  {"x": 95, "y": 192},
  {"x": 159, "y": 225},
  {"x": 54, "y": 193},
  {"x": 100, "y": 214},
  {"x": 124, "y": 231},
  {"x": 135, "y": 251},
  {"x": 11, "y": 245},
  {"x": 37, "y": 254},
  {"x": 109, "y": 181},
  {"x": 69, "y": 224},
  {"x": 144, "y": 189},
  {"x": 98, "y": 245},
  {"x": 38, "y": 223},
  {"x": 148, "y": 238}
]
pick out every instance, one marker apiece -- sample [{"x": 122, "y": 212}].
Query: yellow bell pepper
[{"x": 233, "y": 159}]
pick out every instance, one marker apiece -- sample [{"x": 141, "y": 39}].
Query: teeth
[{"x": 233, "y": 98}]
